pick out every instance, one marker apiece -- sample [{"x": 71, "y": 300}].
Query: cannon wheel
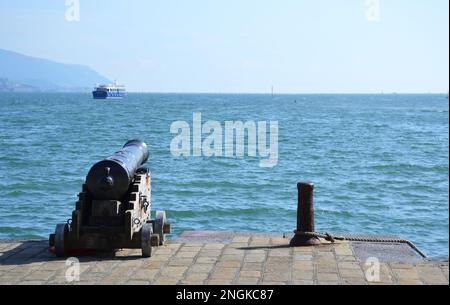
[
  {"x": 160, "y": 220},
  {"x": 61, "y": 233},
  {"x": 146, "y": 240}
]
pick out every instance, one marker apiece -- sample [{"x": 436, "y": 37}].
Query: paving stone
[
  {"x": 192, "y": 245},
  {"x": 145, "y": 274},
  {"x": 242, "y": 260},
  {"x": 161, "y": 259},
  {"x": 446, "y": 272},
  {"x": 189, "y": 248},
  {"x": 233, "y": 258},
  {"x": 10, "y": 280},
  {"x": 280, "y": 260},
  {"x": 250, "y": 274},
  {"x": 349, "y": 265},
  {"x": 219, "y": 282},
  {"x": 137, "y": 283},
  {"x": 6, "y": 268},
  {"x": 192, "y": 282},
  {"x": 401, "y": 266},
  {"x": 351, "y": 273},
  {"x": 303, "y": 265},
  {"x": 303, "y": 282},
  {"x": 247, "y": 281},
  {"x": 326, "y": 268},
  {"x": 328, "y": 277},
  {"x": 173, "y": 271},
  {"x": 276, "y": 269},
  {"x": 432, "y": 276},
  {"x": 252, "y": 266},
  {"x": 186, "y": 254},
  {"x": 303, "y": 257},
  {"x": 344, "y": 251},
  {"x": 302, "y": 275},
  {"x": 32, "y": 283},
  {"x": 254, "y": 258},
  {"x": 224, "y": 273},
  {"x": 39, "y": 276},
  {"x": 276, "y": 277},
  {"x": 257, "y": 251},
  {"x": 152, "y": 265},
  {"x": 238, "y": 246},
  {"x": 210, "y": 253},
  {"x": 201, "y": 268},
  {"x": 101, "y": 267},
  {"x": 406, "y": 274},
  {"x": 207, "y": 260},
  {"x": 232, "y": 251},
  {"x": 113, "y": 280},
  {"x": 196, "y": 277},
  {"x": 179, "y": 262},
  {"x": 282, "y": 253},
  {"x": 340, "y": 258},
  {"x": 214, "y": 246},
  {"x": 257, "y": 238},
  {"x": 166, "y": 281},
  {"x": 303, "y": 249},
  {"x": 173, "y": 246},
  {"x": 229, "y": 264},
  {"x": 354, "y": 281},
  {"x": 82, "y": 283},
  {"x": 410, "y": 282}
]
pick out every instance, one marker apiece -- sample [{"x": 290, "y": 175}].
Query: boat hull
[{"x": 103, "y": 95}]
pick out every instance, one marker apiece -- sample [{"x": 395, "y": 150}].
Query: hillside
[{"x": 24, "y": 73}]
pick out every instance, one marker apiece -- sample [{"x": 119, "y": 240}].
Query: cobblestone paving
[{"x": 244, "y": 260}]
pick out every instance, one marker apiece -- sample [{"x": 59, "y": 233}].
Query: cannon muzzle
[{"x": 110, "y": 179}]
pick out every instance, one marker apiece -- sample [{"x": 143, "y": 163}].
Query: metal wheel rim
[
  {"x": 160, "y": 221},
  {"x": 60, "y": 240},
  {"x": 146, "y": 240}
]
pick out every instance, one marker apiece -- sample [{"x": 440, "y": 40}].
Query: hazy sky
[{"x": 298, "y": 46}]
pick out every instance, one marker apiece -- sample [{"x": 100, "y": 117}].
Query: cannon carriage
[{"x": 114, "y": 208}]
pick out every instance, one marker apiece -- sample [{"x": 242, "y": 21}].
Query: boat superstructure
[{"x": 114, "y": 91}]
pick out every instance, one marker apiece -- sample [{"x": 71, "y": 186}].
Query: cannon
[{"x": 114, "y": 208}]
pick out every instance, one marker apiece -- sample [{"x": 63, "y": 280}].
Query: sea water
[{"x": 380, "y": 163}]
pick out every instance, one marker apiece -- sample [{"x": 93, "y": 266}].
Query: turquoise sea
[{"x": 380, "y": 162}]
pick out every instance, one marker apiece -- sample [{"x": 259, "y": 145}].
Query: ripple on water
[{"x": 379, "y": 163}]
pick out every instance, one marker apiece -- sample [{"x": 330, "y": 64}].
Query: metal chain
[{"x": 332, "y": 238}]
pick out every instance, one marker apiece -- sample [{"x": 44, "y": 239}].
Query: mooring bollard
[{"x": 305, "y": 216}]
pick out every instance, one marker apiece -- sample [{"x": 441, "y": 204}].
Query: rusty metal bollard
[{"x": 305, "y": 216}]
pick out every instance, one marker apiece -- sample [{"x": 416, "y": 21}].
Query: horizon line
[
  {"x": 287, "y": 93},
  {"x": 250, "y": 93}
]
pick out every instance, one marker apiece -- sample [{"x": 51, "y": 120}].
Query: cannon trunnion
[{"x": 114, "y": 208}]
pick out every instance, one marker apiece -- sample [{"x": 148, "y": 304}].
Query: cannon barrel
[{"x": 110, "y": 179}]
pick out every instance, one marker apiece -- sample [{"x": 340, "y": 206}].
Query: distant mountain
[
  {"x": 24, "y": 73},
  {"x": 7, "y": 85}
]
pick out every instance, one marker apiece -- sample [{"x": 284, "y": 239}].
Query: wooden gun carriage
[{"x": 114, "y": 208}]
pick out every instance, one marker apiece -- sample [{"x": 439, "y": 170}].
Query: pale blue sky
[{"x": 299, "y": 46}]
